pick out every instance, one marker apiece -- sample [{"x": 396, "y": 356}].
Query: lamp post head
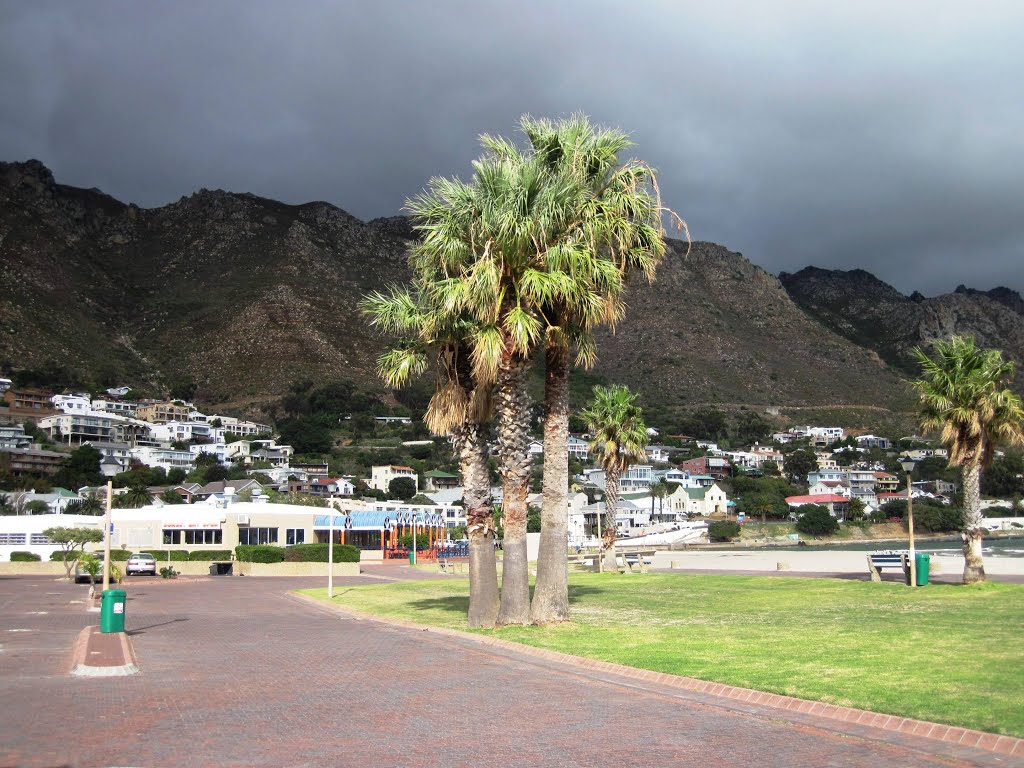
[{"x": 908, "y": 464}]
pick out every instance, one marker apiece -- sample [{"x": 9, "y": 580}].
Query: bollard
[{"x": 782, "y": 565}]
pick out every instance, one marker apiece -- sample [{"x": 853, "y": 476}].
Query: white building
[
  {"x": 381, "y": 477},
  {"x": 168, "y": 458},
  {"x": 184, "y": 431}
]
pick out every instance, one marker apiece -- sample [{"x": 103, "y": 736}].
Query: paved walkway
[{"x": 235, "y": 672}]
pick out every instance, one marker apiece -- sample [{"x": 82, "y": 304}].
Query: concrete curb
[
  {"x": 85, "y": 647},
  {"x": 954, "y": 735}
]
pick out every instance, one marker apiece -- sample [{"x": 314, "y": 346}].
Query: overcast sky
[{"x": 889, "y": 136}]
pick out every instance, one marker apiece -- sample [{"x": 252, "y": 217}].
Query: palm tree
[
  {"x": 90, "y": 504},
  {"x": 460, "y": 407},
  {"x": 659, "y": 490},
  {"x": 619, "y": 438},
  {"x": 962, "y": 396},
  {"x": 137, "y": 496},
  {"x": 612, "y": 227}
]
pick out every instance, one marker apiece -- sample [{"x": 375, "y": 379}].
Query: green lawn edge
[{"x": 944, "y": 653}]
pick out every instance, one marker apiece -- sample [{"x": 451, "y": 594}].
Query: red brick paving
[{"x": 234, "y": 672}]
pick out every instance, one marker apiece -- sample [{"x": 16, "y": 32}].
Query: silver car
[
  {"x": 82, "y": 575},
  {"x": 143, "y": 562}
]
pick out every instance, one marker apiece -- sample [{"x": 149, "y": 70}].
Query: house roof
[
  {"x": 697, "y": 493},
  {"x": 817, "y": 498},
  {"x": 437, "y": 473}
]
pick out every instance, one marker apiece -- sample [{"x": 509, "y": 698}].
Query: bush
[
  {"x": 161, "y": 555},
  {"x": 422, "y": 540},
  {"x": 168, "y": 573},
  {"x": 815, "y": 520},
  {"x": 317, "y": 553},
  {"x": 25, "y": 557},
  {"x": 996, "y": 512},
  {"x": 259, "y": 553},
  {"x": 937, "y": 518},
  {"x": 723, "y": 530},
  {"x": 58, "y": 555},
  {"x": 210, "y": 554},
  {"x": 120, "y": 554}
]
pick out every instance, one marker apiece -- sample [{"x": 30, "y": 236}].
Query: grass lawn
[{"x": 945, "y": 653}]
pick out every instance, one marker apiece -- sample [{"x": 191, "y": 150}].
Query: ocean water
[{"x": 1010, "y": 546}]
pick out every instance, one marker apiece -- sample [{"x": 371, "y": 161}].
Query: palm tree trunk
[
  {"x": 551, "y": 595},
  {"x": 471, "y": 443},
  {"x": 513, "y": 411},
  {"x": 611, "y": 496},
  {"x": 974, "y": 567}
]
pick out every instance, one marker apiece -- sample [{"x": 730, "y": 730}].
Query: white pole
[
  {"x": 415, "y": 521},
  {"x": 910, "y": 528},
  {"x": 330, "y": 557},
  {"x": 600, "y": 542},
  {"x": 106, "y": 536}
]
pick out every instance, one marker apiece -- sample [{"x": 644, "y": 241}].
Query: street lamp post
[
  {"x": 330, "y": 555},
  {"x": 106, "y": 536},
  {"x": 908, "y": 466},
  {"x": 600, "y": 540}
]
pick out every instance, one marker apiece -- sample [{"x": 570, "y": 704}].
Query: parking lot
[{"x": 236, "y": 672}]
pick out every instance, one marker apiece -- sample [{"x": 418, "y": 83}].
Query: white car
[{"x": 143, "y": 562}]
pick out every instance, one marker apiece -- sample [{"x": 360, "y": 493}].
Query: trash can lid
[{"x": 115, "y": 592}]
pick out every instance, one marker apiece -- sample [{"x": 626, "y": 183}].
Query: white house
[
  {"x": 167, "y": 458},
  {"x": 697, "y": 500},
  {"x": 184, "y": 431},
  {"x": 381, "y": 477}
]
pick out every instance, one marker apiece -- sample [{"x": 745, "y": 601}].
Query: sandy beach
[{"x": 838, "y": 561}]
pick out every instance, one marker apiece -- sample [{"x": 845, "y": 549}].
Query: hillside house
[
  {"x": 837, "y": 505},
  {"x": 381, "y": 477},
  {"x": 436, "y": 480}
]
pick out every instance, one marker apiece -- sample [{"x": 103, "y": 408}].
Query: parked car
[
  {"x": 82, "y": 573},
  {"x": 143, "y": 562}
]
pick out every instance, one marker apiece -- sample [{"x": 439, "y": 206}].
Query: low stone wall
[
  {"x": 42, "y": 568},
  {"x": 294, "y": 569}
]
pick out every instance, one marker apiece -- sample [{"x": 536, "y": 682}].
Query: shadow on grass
[{"x": 459, "y": 604}]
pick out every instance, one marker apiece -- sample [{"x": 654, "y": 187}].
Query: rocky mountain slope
[
  {"x": 875, "y": 315},
  {"x": 242, "y": 295}
]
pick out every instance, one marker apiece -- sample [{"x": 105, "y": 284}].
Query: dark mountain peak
[
  {"x": 1006, "y": 296},
  {"x": 31, "y": 175},
  {"x": 917, "y": 297},
  {"x": 400, "y": 227}
]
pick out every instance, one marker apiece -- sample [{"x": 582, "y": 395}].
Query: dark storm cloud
[{"x": 884, "y": 139}]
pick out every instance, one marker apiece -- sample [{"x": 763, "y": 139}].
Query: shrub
[
  {"x": 422, "y": 540},
  {"x": 259, "y": 553},
  {"x": 723, "y": 530},
  {"x": 210, "y": 554},
  {"x": 58, "y": 555},
  {"x": 996, "y": 512},
  {"x": 317, "y": 553},
  {"x": 25, "y": 557},
  {"x": 120, "y": 554},
  {"x": 168, "y": 573},
  {"x": 815, "y": 520},
  {"x": 161, "y": 555},
  {"x": 937, "y": 518}
]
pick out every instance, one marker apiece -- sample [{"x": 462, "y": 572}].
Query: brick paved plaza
[{"x": 235, "y": 672}]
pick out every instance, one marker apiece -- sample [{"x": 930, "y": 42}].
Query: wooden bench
[
  {"x": 891, "y": 559},
  {"x": 637, "y": 561}
]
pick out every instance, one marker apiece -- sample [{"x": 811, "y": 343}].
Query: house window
[
  {"x": 203, "y": 537},
  {"x": 172, "y": 536},
  {"x": 295, "y": 536},
  {"x": 257, "y": 535}
]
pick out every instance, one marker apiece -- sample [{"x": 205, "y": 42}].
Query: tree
[
  {"x": 815, "y": 520},
  {"x": 71, "y": 540},
  {"x": 37, "y": 507},
  {"x": 171, "y": 496},
  {"x": 461, "y": 406},
  {"x": 91, "y": 504},
  {"x": 619, "y": 438},
  {"x": 763, "y": 505},
  {"x": 403, "y": 488},
  {"x": 137, "y": 496},
  {"x": 962, "y": 396},
  {"x": 799, "y": 464},
  {"x": 659, "y": 490}
]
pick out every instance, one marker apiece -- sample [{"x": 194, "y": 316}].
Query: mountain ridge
[{"x": 241, "y": 295}]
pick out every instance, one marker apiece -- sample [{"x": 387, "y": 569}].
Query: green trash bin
[
  {"x": 923, "y": 564},
  {"x": 412, "y": 557},
  {"x": 112, "y": 610}
]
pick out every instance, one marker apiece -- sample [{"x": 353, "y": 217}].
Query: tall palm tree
[
  {"x": 962, "y": 396},
  {"x": 659, "y": 490},
  {"x": 612, "y": 228},
  {"x": 459, "y": 407},
  {"x": 619, "y": 438}
]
